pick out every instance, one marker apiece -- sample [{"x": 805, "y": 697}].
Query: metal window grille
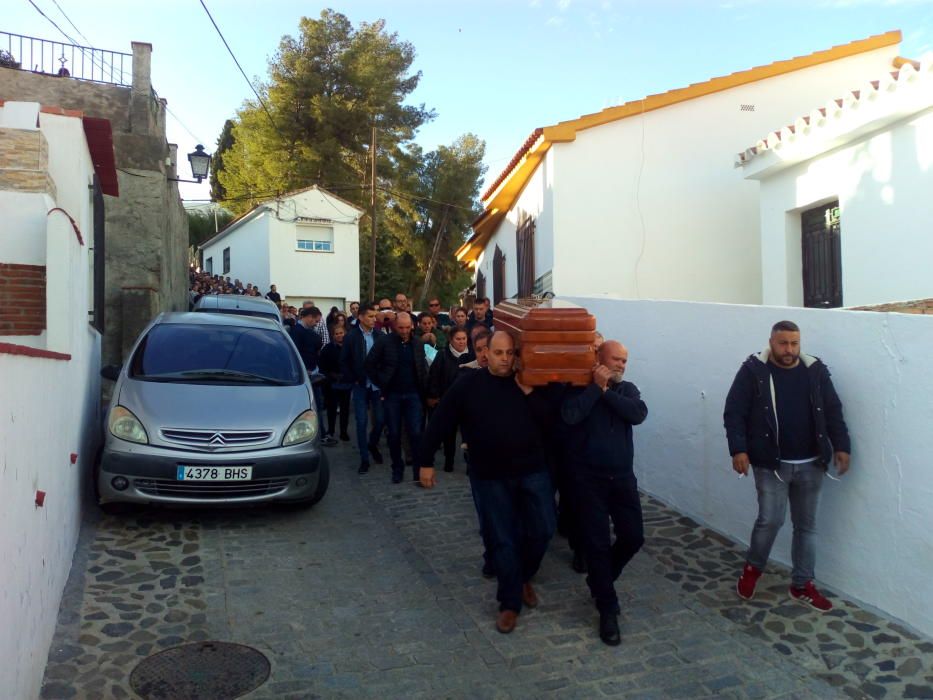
[
  {"x": 822, "y": 256},
  {"x": 498, "y": 276},
  {"x": 226, "y": 261},
  {"x": 525, "y": 245},
  {"x": 480, "y": 285}
]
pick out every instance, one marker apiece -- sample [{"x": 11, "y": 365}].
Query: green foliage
[
  {"x": 224, "y": 143},
  {"x": 327, "y": 87},
  {"x": 201, "y": 225}
]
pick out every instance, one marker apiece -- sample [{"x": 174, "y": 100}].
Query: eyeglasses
[{"x": 435, "y": 303}]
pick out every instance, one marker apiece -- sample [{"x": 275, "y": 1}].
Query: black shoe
[
  {"x": 409, "y": 462},
  {"x": 609, "y": 628},
  {"x": 328, "y": 441},
  {"x": 488, "y": 570},
  {"x": 376, "y": 454},
  {"x": 344, "y": 437},
  {"x": 448, "y": 467},
  {"x": 579, "y": 563},
  {"x": 364, "y": 468},
  {"x": 396, "y": 478}
]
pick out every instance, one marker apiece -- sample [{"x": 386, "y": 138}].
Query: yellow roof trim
[{"x": 512, "y": 183}]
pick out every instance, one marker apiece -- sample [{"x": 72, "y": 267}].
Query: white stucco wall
[
  {"x": 249, "y": 253},
  {"x": 650, "y": 207},
  {"x": 874, "y": 541},
  {"x": 537, "y": 201},
  {"x": 314, "y": 275},
  {"x": 56, "y": 413},
  {"x": 883, "y": 182}
]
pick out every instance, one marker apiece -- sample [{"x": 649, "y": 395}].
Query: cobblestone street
[{"x": 376, "y": 592}]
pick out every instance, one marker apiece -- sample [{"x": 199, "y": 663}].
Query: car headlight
[
  {"x": 302, "y": 429},
  {"x": 124, "y": 425}
]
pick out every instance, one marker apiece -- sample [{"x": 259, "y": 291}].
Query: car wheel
[{"x": 322, "y": 484}]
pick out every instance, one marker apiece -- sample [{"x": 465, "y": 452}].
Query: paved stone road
[{"x": 376, "y": 593}]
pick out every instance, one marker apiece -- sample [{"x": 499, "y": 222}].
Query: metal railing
[{"x": 65, "y": 60}]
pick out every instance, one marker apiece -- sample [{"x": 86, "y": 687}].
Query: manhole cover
[{"x": 201, "y": 671}]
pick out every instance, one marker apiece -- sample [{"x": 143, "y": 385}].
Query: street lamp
[{"x": 200, "y": 164}]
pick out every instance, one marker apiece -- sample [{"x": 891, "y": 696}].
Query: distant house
[
  {"x": 306, "y": 243},
  {"x": 641, "y": 200},
  {"x": 846, "y": 206}
]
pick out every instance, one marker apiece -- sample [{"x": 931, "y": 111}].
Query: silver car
[
  {"x": 238, "y": 304},
  {"x": 211, "y": 409}
]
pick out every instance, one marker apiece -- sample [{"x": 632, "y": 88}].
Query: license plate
[{"x": 186, "y": 473}]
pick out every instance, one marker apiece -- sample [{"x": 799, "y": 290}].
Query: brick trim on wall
[{"x": 22, "y": 299}]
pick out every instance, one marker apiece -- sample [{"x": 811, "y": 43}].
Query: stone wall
[{"x": 146, "y": 231}]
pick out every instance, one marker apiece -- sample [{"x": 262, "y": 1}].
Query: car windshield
[{"x": 215, "y": 354}]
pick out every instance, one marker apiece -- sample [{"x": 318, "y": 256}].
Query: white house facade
[
  {"x": 306, "y": 243},
  {"x": 845, "y": 191},
  {"x": 52, "y": 162},
  {"x": 641, "y": 200}
]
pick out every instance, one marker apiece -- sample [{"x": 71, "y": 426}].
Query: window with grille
[
  {"x": 525, "y": 245},
  {"x": 226, "y": 261},
  {"x": 822, "y": 256},
  {"x": 480, "y": 285},
  {"x": 498, "y": 276}
]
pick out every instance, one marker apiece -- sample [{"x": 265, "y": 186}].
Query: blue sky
[{"x": 495, "y": 68}]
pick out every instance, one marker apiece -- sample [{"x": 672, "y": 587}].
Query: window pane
[{"x": 183, "y": 347}]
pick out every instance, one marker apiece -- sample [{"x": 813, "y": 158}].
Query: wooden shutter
[{"x": 480, "y": 285}]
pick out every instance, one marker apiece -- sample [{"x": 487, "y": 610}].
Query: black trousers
[
  {"x": 602, "y": 500},
  {"x": 335, "y": 399},
  {"x": 568, "y": 517}
]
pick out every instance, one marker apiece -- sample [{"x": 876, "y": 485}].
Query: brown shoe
[
  {"x": 506, "y": 621},
  {"x": 529, "y": 597}
]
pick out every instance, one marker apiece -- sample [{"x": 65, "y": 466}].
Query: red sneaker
[
  {"x": 745, "y": 586},
  {"x": 811, "y": 597}
]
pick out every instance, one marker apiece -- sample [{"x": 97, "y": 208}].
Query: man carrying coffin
[
  {"x": 599, "y": 453},
  {"x": 504, "y": 423}
]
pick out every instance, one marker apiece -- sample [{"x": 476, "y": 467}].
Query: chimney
[{"x": 142, "y": 67}]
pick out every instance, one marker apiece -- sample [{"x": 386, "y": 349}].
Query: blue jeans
[
  {"x": 800, "y": 484},
  {"x": 363, "y": 397},
  {"x": 519, "y": 519},
  {"x": 403, "y": 407}
]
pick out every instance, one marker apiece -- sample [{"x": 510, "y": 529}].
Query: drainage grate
[{"x": 201, "y": 671}]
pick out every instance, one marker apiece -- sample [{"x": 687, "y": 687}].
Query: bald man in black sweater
[{"x": 504, "y": 423}]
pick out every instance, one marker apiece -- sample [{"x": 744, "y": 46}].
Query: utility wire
[{"x": 245, "y": 77}]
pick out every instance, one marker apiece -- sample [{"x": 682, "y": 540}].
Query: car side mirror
[{"x": 111, "y": 372}]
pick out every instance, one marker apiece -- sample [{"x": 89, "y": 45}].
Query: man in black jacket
[
  {"x": 443, "y": 373},
  {"x": 784, "y": 418},
  {"x": 480, "y": 315},
  {"x": 398, "y": 366},
  {"x": 599, "y": 451},
  {"x": 504, "y": 423},
  {"x": 309, "y": 346},
  {"x": 360, "y": 341}
]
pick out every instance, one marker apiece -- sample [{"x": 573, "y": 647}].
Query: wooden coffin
[{"x": 554, "y": 340}]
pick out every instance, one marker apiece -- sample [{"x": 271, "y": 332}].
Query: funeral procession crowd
[{"x": 558, "y": 456}]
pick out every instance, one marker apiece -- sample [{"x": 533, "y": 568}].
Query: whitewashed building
[
  {"x": 641, "y": 200},
  {"x": 306, "y": 243},
  {"x": 55, "y": 168},
  {"x": 845, "y": 189}
]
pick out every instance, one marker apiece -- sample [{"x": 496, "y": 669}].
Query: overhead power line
[{"x": 243, "y": 72}]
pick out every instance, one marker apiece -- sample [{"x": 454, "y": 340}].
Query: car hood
[{"x": 212, "y": 408}]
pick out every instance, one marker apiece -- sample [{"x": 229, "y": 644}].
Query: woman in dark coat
[{"x": 443, "y": 373}]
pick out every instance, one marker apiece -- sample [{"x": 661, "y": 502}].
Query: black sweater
[
  {"x": 504, "y": 428},
  {"x": 599, "y": 433}
]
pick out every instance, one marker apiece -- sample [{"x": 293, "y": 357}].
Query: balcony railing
[{"x": 66, "y": 60}]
